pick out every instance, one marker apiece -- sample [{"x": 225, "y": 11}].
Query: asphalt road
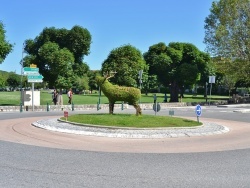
[{"x": 27, "y": 166}]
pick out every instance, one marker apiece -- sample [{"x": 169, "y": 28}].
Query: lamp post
[
  {"x": 21, "y": 86},
  {"x": 206, "y": 92},
  {"x": 140, "y": 81},
  {"x": 99, "y": 99}
]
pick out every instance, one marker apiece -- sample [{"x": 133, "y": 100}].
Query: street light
[
  {"x": 140, "y": 81},
  {"x": 206, "y": 92},
  {"x": 21, "y": 87}
]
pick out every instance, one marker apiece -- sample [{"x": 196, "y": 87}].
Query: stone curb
[{"x": 65, "y": 127}]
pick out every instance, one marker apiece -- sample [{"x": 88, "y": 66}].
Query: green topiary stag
[{"x": 115, "y": 93}]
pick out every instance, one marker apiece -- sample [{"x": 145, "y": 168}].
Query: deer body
[{"x": 115, "y": 93}]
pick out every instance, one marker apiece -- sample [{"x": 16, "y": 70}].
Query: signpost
[
  {"x": 198, "y": 111},
  {"x": 211, "y": 80},
  {"x": 33, "y": 77}
]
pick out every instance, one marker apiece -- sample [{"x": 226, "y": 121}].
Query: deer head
[{"x": 109, "y": 74}]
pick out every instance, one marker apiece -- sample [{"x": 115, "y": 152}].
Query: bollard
[
  {"x": 72, "y": 106},
  {"x": 98, "y": 106},
  {"x": 21, "y": 107},
  {"x": 122, "y": 105},
  {"x": 47, "y": 106}
]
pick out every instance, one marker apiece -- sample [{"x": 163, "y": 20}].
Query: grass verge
[{"x": 132, "y": 121}]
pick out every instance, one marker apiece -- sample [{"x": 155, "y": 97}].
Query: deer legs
[
  {"x": 136, "y": 106},
  {"x": 138, "y": 109},
  {"x": 111, "y": 107}
]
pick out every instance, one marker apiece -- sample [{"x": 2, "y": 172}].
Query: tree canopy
[
  {"x": 227, "y": 35},
  {"x": 5, "y": 46},
  {"x": 59, "y": 54},
  {"x": 126, "y": 61},
  {"x": 176, "y": 65}
]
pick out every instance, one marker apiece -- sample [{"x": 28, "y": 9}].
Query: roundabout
[
  {"x": 213, "y": 135},
  {"x": 38, "y": 157}
]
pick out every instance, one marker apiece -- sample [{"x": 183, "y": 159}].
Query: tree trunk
[{"x": 174, "y": 92}]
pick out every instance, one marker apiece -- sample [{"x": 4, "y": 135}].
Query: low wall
[{"x": 102, "y": 106}]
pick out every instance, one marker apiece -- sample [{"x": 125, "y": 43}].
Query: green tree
[
  {"x": 13, "y": 81},
  {"x": 58, "y": 69},
  {"x": 2, "y": 81},
  {"x": 5, "y": 46},
  {"x": 225, "y": 69},
  {"x": 92, "y": 74},
  {"x": 126, "y": 61},
  {"x": 176, "y": 65},
  {"x": 3, "y": 78},
  {"x": 59, "y": 54},
  {"x": 227, "y": 34},
  {"x": 82, "y": 83}
]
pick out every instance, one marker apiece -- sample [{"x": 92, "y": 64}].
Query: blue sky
[{"x": 112, "y": 23}]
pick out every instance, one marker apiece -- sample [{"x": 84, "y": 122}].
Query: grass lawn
[
  {"x": 13, "y": 98},
  {"x": 131, "y": 120}
]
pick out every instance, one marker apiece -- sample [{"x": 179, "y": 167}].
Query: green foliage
[
  {"x": 176, "y": 65},
  {"x": 115, "y": 93},
  {"x": 5, "y": 46},
  {"x": 81, "y": 83},
  {"x": 58, "y": 53},
  {"x": 3, "y": 78},
  {"x": 58, "y": 71},
  {"x": 92, "y": 79},
  {"x": 227, "y": 35},
  {"x": 13, "y": 81},
  {"x": 126, "y": 61}
]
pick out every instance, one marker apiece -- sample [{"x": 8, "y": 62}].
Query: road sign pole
[
  {"x": 198, "y": 112},
  {"x": 210, "y": 93},
  {"x": 32, "y": 96}
]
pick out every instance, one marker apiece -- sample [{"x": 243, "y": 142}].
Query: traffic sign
[
  {"x": 30, "y": 70},
  {"x": 198, "y": 110},
  {"x": 66, "y": 114},
  {"x": 156, "y": 107},
  {"x": 35, "y": 78}
]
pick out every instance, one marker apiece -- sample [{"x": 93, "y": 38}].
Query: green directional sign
[
  {"x": 30, "y": 70},
  {"x": 35, "y": 78}
]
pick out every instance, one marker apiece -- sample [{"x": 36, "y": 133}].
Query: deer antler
[{"x": 109, "y": 75}]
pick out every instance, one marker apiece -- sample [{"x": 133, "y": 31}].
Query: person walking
[
  {"x": 54, "y": 97},
  {"x": 60, "y": 97},
  {"x": 70, "y": 95}
]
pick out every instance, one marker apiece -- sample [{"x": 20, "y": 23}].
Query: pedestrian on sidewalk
[
  {"x": 54, "y": 97},
  {"x": 70, "y": 95}
]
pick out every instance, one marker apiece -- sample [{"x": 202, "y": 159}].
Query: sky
[{"x": 111, "y": 23}]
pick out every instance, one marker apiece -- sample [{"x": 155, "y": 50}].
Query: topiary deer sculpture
[{"x": 115, "y": 93}]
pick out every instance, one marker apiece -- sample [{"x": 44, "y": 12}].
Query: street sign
[
  {"x": 211, "y": 79},
  {"x": 30, "y": 71},
  {"x": 198, "y": 110},
  {"x": 156, "y": 107},
  {"x": 66, "y": 114},
  {"x": 35, "y": 78}
]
